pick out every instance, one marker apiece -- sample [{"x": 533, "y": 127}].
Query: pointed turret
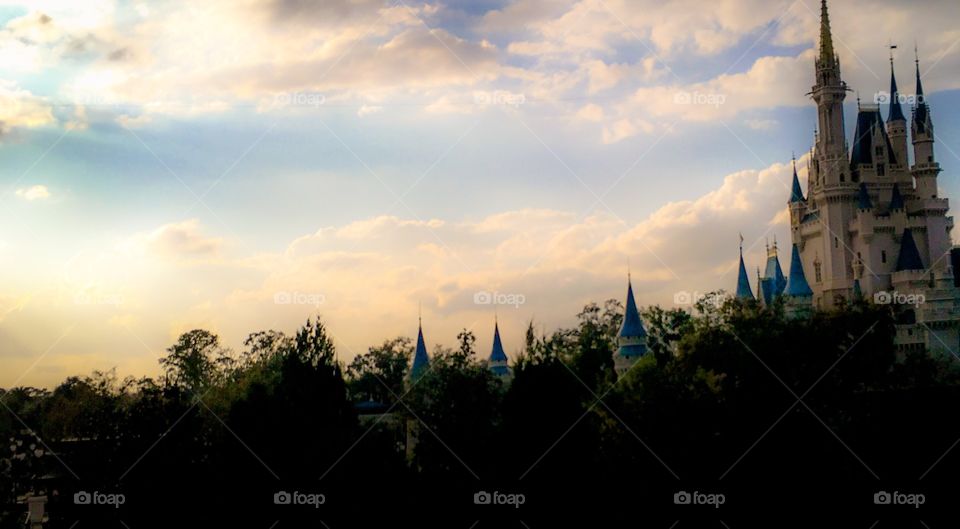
[
  {"x": 498, "y": 358},
  {"x": 632, "y": 338},
  {"x": 829, "y": 93},
  {"x": 773, "y": 272},
  {"x": 797, "y": 285},
  {"x": 826, "y": 37},
  {"x": 796, "y": 193},
  {"x": 743, "y": 282},
  {"x": 909, "y": 258},
  {"x": 896, "y": 111},
  {"x": 925, "y": 169},
  {"x": 420, "y": 358}
]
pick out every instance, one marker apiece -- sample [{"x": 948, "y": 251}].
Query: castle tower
[
  {"x": 421, "y": 360},
  {"x": 829, "y": 93},
  {"x": 798, "y": 294},
  {"x": 773, "y": 281},
  {"x": 897, "y": 125},
  {"x": 632, "y": 338},
  {"x": 498, "y": 358},
  {"x": 743, "y": 282}
]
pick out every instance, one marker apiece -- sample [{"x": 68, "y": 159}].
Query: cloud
[
  {"x": 36, "y": 192},
  {"x": 20, "y": 108},
  {"x": 177, "y": 240}
]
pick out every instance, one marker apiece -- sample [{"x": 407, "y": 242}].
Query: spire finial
[
  {"x": 826, "y": 39},
  {"x": 741, "y": 244},
  {"x": 628, "y": 269},
  {"x": 420, "y": 313}
]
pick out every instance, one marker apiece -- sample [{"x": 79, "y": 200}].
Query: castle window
[
  {"x": 836, "y": 242},
  {"x": 883, "y": 256},
  {"x": 816, "y": 271},
  {"x": 881, "y": 170},
  {"x": 930, "y": 159},
  {"x": 879, "y": 151}
]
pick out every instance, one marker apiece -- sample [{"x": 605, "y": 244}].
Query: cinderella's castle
[{"x": 870, "y": 226}]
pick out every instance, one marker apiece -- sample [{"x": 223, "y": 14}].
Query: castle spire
[
  {"x": 896, "y": 112},
  {"x": 919, "y": 84},
  {"x": 498, "y": 358},
  {"x": 826, "y": 38},
  {"x": 632, "y": 338},
  {"x": 797, "y": 285},
  {"x": 743, "y": 282},
  {"x": 420, "y": 359},
  {"x": 796, "y": 194}
]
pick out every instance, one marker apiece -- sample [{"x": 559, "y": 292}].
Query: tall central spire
[{"x": 826, "y": 38}]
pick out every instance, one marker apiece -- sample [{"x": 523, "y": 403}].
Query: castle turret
[
  {"x": 420, "y": 358},
  {"x": 632, "y": 338},
  {"x": 743, "y": 282},
  {"x": 897, "y": 123},
  {"x": 829, "y": 93},
  {"x": 498, "y": 358},
  {"x": 773, "y": 281},
  {"x": 925, "y": 169},
  {"x": 799, "y": 295},
  {"x": 797, "y": 204}
]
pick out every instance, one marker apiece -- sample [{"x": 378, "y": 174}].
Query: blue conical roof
[
  {"x": 896, "y": 200},
  {"x": 863, "y": 198},
  {"x": 498, "y": 358},
  {"x": 420, "y": 358},
  {"x": 797, "y": 284},
  {"x": 909, "y": 258},
  {"x": 796, "y": 194},
  {"x": 497, "y": 354},
  {"x": 632, "y": 325},
  {"x": 743, "y": 282},
  {"x": 775, "y": 273},
  {"x": 896, "y": 112}
]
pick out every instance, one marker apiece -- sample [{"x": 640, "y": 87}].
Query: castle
[{"x": 870, "y": 226}]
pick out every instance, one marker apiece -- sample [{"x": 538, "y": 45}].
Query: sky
[{"x": 240, "y": 165}]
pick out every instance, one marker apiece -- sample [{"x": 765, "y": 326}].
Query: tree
[
  {"x": 196, "y": 361},
  {"x": 378, "y": 374}
]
